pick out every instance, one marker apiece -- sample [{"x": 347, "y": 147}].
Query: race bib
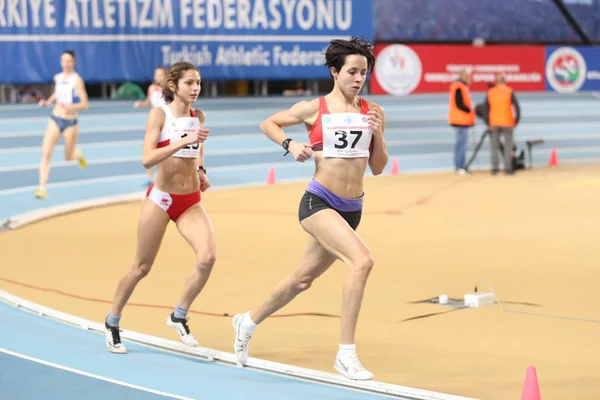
[
  {"x": 180, "y": 128},
  {"x": 64, "y": 93},
  {"x": 346, "y": 135}
]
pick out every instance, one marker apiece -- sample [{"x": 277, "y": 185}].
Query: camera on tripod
[{"x": 518, "y": 160}]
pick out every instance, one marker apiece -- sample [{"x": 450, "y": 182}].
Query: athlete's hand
[
  {"x": 204, "y": 183},
  {"x": 375, "y": 122},
  {"x": 196, "y": 137},
  {"x": 300, "y": 151}
]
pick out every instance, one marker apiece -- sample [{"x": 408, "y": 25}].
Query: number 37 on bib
[{"x": 346, "y": 135}]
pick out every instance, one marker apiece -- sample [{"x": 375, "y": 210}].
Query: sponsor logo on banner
[
  {"x": 439, "y": 65},
  {"x": 566, "y": 70},
  {"x": 398, "y": 69},
  {"x": 573, "y": 69}
]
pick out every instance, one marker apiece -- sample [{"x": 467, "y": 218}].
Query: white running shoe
[
  {"x": 240, "y": 345},
  {"x": 113, "y": 339},
  {"x": 182, "y": 328},
  {"x": 351, "y": 368}
]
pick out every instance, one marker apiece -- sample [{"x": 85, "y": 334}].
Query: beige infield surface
[{"x": 534, "y": 237}]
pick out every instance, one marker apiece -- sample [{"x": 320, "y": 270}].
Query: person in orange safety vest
[
  {"x": 504, "y": 115},
  {"x": 461, "y": 115}
]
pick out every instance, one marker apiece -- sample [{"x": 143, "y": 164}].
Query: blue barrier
[{"x": 117, "y": 40}]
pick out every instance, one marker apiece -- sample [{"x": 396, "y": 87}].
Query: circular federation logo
[
  {"x": 398, "y": 69},
  {"x": 566, "y": 70}
]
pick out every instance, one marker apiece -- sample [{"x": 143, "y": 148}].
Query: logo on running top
[
  {"x": 566, "y": 70},
  {"x": 398, "y": 69},
  {"x": 348, "y": 119},
  {"x": 365, "y": 119},
  {"x": 173, "y": 123},
  {"x": 327, "y": 120}
]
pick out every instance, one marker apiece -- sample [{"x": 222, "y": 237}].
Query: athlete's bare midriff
[
  {"x": 61, "y": 112},
  {"x": 177, "y": 176},
  {"x": 342, "y": 176}
]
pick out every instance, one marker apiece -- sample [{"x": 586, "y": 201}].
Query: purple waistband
[{"x": 335, "y": 201}]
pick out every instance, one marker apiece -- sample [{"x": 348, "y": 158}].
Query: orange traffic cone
[
  {"x": 531, "y": 390},
  {"x": 553, "y": 158},
  {"x": 271, "y": 176},
  {"x": 395, "y": 168}
]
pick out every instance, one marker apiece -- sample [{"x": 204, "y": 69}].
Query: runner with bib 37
[{"x": 346, "y": 135}]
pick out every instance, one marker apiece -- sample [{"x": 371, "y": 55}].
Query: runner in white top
[
  {"x": 346, "y": 135},
  {"x": 154, "y": 98},
  {"x": 173, "y": 141},
  {"x": 70, "y": 96}
]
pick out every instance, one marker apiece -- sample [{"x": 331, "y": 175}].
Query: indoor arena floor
[{"x": 532, "y": 238}]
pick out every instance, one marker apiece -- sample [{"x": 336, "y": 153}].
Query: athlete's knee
[
  {"x": 363, "y": 264},
  {"x": 206, "y": 260},
  {"x": 302, "y": 283},
  {"x": 141, "y": 269},
  {"x": 46, "y": 156},
  {"x": 72, "y": 155}
]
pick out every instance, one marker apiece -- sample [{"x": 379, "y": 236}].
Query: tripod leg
[{"x": 477, "y": 149}]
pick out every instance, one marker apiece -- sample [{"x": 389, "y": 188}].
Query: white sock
[
  {"x": 247, "y": 323},
  {"x": 346, "y": 350}
]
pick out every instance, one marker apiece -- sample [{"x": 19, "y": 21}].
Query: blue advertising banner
[
  {"x": 572, "y": 69},
  {"x": 117, "y": 40}
]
